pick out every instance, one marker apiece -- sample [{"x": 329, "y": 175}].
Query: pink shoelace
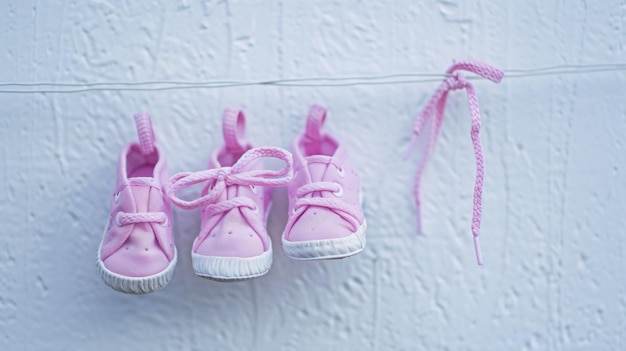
[
  {"x": 123, "y": 218},
  {"x": 235, "y": 175},
  {"x": 146, "y": 145},
  {"x": 304, "y": 199},
  {"x": 435, "y": 109}
]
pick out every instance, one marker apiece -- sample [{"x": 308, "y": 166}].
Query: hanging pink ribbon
[{"x": 435, "y": 108}]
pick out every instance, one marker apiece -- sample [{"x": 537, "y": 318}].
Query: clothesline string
[{"x": 389, "y": 79}]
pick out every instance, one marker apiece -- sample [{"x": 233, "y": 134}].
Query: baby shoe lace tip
[
  {"x": 409, "y": 149},
  {"x": 479, "y": 256},
  {"x": 420, "y": 231}
]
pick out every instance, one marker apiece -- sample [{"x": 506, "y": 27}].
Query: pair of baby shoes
[{"x": 137, "y": 253}]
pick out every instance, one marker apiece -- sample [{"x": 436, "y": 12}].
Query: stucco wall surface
[{"x": 554, "y": 197}]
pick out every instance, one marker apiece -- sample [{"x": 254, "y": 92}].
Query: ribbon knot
[
  {"x": 222, "y": 175},
  {"x": 456, "y": 81},
  {"x": 219, "y": 178},
  {"x": 435, "y": 108}
]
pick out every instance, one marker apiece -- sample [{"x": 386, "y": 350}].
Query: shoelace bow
[
  {"x": 435, "y": 108},
  {"x": 346, "y": 211},
  {"x": 143, "y": 123},
  {"x": 235, "y": 175}
]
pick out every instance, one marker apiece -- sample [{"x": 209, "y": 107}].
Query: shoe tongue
[
  {"x": 142, "y": 181},
  {"x": 317, "y": 166},
  {"x": 142, "y": 188}
]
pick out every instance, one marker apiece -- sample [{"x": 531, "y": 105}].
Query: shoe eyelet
[
  {"x": 253, "y": 189},
  {"x": 293, "y": 210},
  {"x": 166, "y": 222},
  {"x": 339, "y": 192},
  {"x": 116, "y": 197},
  {"x": 255, "y": 210},
  {"x": 341, "y": 172},
  {"x": 117, "y": 218}
]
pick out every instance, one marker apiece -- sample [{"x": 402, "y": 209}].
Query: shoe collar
[{"x": 133, "y": 150}]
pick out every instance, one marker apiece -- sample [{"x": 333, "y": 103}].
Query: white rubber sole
[
  {"x": 328, "y": 248},
  {"x": 232, "y": 268},
  {"x": 137, "y": 285}
]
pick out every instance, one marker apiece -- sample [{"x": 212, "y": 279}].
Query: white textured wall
[{"x": 555, "y": 190}]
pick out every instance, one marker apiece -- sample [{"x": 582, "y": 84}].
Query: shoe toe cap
[
  {"x": 137, "y": 261},
  {"x": 231, "y": 240},
  {"x": 319, "y": 223}
]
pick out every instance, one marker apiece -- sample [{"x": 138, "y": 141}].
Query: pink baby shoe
[
  {"x": 325, "y": 216},
  {"x": 233, "y": 243},
  {"x": 137, "y": 253}
]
